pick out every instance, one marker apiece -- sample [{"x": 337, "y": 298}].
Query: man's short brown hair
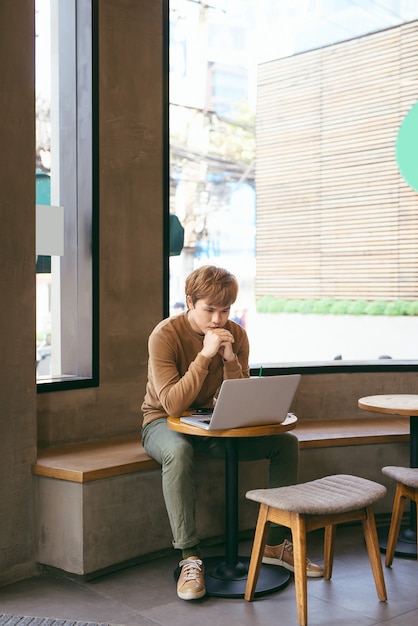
[{"x": 214, "y": 284}]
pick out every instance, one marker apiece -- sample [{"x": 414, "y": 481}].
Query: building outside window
[{"x": 283, "y": 125}]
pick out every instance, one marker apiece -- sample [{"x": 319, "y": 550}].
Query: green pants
[{"x": 175, "y": 452}]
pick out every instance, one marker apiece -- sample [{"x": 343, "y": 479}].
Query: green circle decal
[{"x": 407, "y": 147}]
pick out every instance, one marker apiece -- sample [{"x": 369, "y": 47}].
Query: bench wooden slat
[
  {"x": 92, "y": 460},
  {"x": 350, "y": 432}
]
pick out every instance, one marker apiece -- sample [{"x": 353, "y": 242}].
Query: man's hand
[{"x": 218, "y": 340}]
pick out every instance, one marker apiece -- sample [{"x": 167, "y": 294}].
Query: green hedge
[{"x": 327, "y": 306}]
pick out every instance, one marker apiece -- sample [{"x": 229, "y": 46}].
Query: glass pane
[
  {"x": 43, "y": 182},
  {"x": 262, "y": 185},
  {"x": 64, "y": 188}
]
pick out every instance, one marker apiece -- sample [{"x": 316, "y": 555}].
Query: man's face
[{"x": 204, "y": 316}]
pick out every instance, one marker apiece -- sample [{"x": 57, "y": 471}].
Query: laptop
[{"x": 248, "y": 402}]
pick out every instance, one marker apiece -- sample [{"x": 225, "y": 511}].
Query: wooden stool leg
[
  {"x": 257, "y": 551},
  {"x": 298, "y": 529},
  {"x": 372, "y": 543},
  {"x": 329, "y": 543},
  {"x": 416, "y": 504},
  {"x": 395, "y": 523}
]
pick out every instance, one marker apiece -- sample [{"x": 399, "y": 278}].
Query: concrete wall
[
  {"x": 17, "y": 288},
  {"x": 131, "y": 265},
  {"x": 131, "y": 258},
  {"x": 335, "y": 396}
]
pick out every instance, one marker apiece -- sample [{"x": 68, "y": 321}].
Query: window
[
  {"x": 283, "y": 124},
  {"x": 64, "y": 193}
]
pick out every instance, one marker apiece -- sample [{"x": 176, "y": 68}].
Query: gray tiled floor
[{"x": 145, "y": 595}]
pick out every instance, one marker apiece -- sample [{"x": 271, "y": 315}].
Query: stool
[
  {"x": 321, "y": 503},
  {"x": 406, "y": 487}
]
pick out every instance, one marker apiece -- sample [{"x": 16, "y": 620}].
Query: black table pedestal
[
  {"x": 405, "y": 546},
  {"x": 226, "y": 576},
  {"x": 222, "y": 581}
]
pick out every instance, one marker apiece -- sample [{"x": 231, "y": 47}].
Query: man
[{"x": 189, "y": 357}]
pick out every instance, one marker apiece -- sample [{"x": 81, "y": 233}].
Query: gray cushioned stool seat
[
  {"x": 406, "y": 475},
  {"x": 322, "y": 503},
  {"x": 332, "y": 494},
  {"x": 406, "y": 488}
]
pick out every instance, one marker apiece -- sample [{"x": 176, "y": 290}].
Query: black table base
[
  {"x": 224, "y": 581},
  {"x": 226, "y": 576},
  {"x": 406, "y": 545}
]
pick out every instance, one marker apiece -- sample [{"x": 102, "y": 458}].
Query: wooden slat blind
[{"x": 334, "y": 216}]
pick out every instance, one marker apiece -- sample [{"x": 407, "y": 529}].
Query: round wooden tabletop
[
  {"x": 394, "y": 404},
  {"x": 249, "y": 431}
]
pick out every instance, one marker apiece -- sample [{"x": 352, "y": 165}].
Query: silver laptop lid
[{"x": 251, "y": 402}]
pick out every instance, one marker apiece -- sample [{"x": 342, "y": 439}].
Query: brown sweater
[{"x": 179, "y": 377}]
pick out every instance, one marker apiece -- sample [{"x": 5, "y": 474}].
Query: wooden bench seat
[
  {"x": 352, "y": 432},
  {"x": 95, "y": 499},
  {"x": 93, "y": 460}
]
